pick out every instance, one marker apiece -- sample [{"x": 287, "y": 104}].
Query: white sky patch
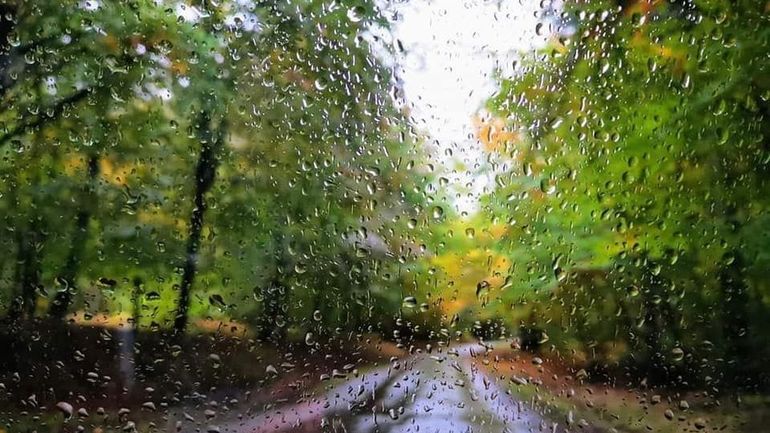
[
  {"x": 90, "y": 5},
  {"x": 50, "y": 85},
  {"x": 188, "y": 13},
  {"x": 243, "y": 21},
  {"x": 452, "y": 50}
]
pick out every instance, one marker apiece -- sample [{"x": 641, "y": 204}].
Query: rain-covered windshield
[{"x": 384, "y": 216}]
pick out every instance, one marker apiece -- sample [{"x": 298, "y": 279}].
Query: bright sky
[{"x": 452, "y": 49}]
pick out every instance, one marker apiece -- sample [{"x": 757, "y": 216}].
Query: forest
[{"x": 193, "y": 193}]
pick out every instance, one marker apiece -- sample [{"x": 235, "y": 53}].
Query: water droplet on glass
[
  {"x": 310, "y": 339},
  {"x": 677, "y": 354},
  {"x": 65, "y": 408},
  {"x": 410, "y": 302},
  {"x": 356, "y": 14}
]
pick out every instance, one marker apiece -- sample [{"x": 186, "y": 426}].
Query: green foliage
[
  {"x": 646, "y": 131},
  {"x": 311, "y": 190},
  {"x": 245, "y": 162}
]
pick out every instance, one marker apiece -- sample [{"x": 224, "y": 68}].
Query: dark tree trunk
[
  {"x": 29, "y": 240},
  {"x": 735, "y": 301},
  {"x": 652, "y": 334},
  {"x": 653, "y": 294},
  {"x": 27, "y": 272},
  {"x": 63, "y": 298},
  {"x": 205, "y": 174},
  {"x": 31, "y": 275},
  {"x": 6, "y": 29},
  {"x": 14, "y": 306},
  {"x": 272, "y": 326},
  {"x": 136, "y": 301}
]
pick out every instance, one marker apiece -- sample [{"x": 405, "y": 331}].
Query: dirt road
[{"x": 443, "y": 391}]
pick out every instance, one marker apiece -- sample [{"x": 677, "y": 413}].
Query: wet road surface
[{"x": 442, "y": 392}]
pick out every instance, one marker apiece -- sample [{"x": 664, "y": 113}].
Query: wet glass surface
[{"x": 384, "y": 216}]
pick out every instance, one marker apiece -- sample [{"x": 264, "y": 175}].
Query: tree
[
  {"x": 212, "y": 138},
  {"x": 670, "y": 171}
]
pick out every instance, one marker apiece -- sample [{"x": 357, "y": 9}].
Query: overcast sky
[{"x": 452, "y": 48}]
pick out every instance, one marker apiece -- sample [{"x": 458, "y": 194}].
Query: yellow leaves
[
  {"x": 111, "y": 43},
  {"x": 288, "y": 72},
  {"x": 74, "y": 164},
  {"x": 641, "y": 41},
  {"x": 295, "y": 77},
  {"x": 556, "y": 47},
  {"x": 180, "y": 67},
  {"x": 229, "y": 327},
  {"x": 536, "y": 195},
  {"x": 498, "y": 231},
  {"x": 114, "y": 173},
  {"x": 643, "y": 7},
  {"x": 108, "y": 321},
  {"x": 676, "y": 57},
  {"x": 494, "y": 135},
  {"x": 466, "y": 271},
  {"x": 158, "y": 218},
  {"x": 135, "y": 41}
]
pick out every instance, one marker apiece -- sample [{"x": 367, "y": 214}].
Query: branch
[{"x": 42, "y": 118}]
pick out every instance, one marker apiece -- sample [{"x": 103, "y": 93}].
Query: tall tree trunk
[
  {"x": 7, "y": 26},
  {"x": 31, "y": 276},
  {"x": 205, "y": 174},
  {"x": 272, "y": 326},
  {"x": 29, "y": 237},
  {"x": 652, "y": 333},
  {"x": 27, "y": 271},
  {"x": 126, "y": 340},
  {"x": 735, "y": 301},
  {"x": 136, "y": 303},
  {"x": 14, "y": 307},
  {"x": 654, "y": 293},
  {"x": 63, "y": 298}
]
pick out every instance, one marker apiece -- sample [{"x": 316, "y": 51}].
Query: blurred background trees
[
  {"x": 247, "y": 163},
  {"x": 640, "y": 171},
  {"x": 240, "y": 161}
]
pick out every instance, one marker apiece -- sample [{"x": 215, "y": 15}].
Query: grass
[{"x": 594, "y": 407}]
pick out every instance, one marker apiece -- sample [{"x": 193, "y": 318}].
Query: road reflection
[{"x": 445, "y": 392}]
